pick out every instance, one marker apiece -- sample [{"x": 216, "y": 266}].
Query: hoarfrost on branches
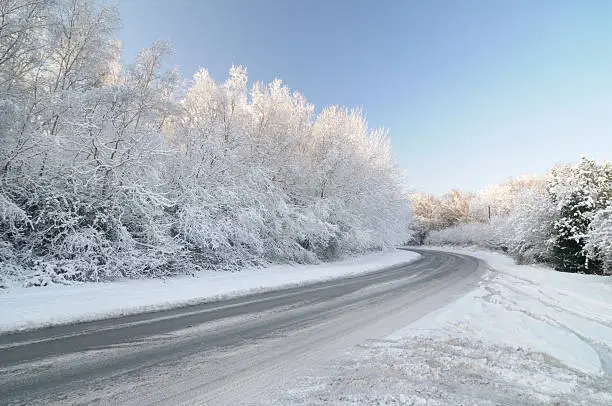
[
  {"x": 110, "y": 170},
  {"x": 562, "y": 219}
]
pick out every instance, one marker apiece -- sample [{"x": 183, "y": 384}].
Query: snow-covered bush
[
  {"x": 466, "y": 234},
  {"x": 527, "y": 229},
  {"x": 523, "y": 230},
  {"x": 248, "y": 223},
  {"x": 110, "y": 171},
  {"x": 579, "y": 192},
  {"x": 599, "y": 239},
  {"x": 563, "y": 219},
  {"x": 436, "y": 213}
]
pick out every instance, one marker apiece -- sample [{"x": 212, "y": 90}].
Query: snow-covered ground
[
  {"x": 527, "y": 335},
  {"x": 24, "y": 308}
]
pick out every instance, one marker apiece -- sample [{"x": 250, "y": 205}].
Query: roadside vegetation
[
  {"x": 563, "y": 218},
  {"x": 111, "y": 170}
]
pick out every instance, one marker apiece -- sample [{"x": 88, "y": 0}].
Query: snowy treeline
[
  {"x": 111, "y": 171},
  {"x": 564, "y": 218}
]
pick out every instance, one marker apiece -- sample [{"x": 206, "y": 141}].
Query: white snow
[
  {"x": 526, "y": 335},
  {"x": 25, "y": 308},
  {"x": 566, "y": 316}
]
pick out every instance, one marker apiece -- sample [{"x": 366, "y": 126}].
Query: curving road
[{"x": 242, "y": 351}]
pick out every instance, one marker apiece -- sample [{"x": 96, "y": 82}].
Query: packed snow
[
  {"x": 25, "y": 308},
  {"x": 526, "y": 335}
]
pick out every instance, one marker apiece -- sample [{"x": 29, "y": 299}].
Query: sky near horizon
[{"x": 473, "y": 92}]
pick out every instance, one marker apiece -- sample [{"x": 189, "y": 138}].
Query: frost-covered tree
[
  {"x": 230, "y": 142},
  {"x": 599, "y": 241},
  {"x": 435, "y": 213},
  {"x": 527, "y": 229},
  {"x": 110, "y": 170},
  {"x": 424, "y": 220},
  {"x": 579, "y": 192},
  {"x": 562, "y": 219},
  {"x": 499, "y": 200},
  {"x": 524, "y": 231}
]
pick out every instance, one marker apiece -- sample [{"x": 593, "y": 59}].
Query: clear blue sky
[{"x": 473, "y": 92}]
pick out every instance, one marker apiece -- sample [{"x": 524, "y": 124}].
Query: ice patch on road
[{"x": 25, "y": 308}]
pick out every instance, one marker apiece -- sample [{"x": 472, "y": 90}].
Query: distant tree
[
  {"x": 500, "y": 200},
  {"x": 562, "y": 218},
  {"x": 436, "y": 213}
]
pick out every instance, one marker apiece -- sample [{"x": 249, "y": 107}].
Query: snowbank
[
  {"x": 526, "y": 335},
  {"x": 24, "y": 308},
  {"x": 567, "y": 316}
]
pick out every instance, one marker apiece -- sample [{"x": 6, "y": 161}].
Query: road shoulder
[{"x": 30, "y": 308}]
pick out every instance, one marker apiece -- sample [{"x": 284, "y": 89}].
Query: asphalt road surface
[{"x": 247, "y": 350}]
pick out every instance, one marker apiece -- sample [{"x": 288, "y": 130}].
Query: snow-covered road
[
  {"x": 527, "y": 336},
  {"x": 454, "y": 327},
  {"x": 247, "y": 350}
]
